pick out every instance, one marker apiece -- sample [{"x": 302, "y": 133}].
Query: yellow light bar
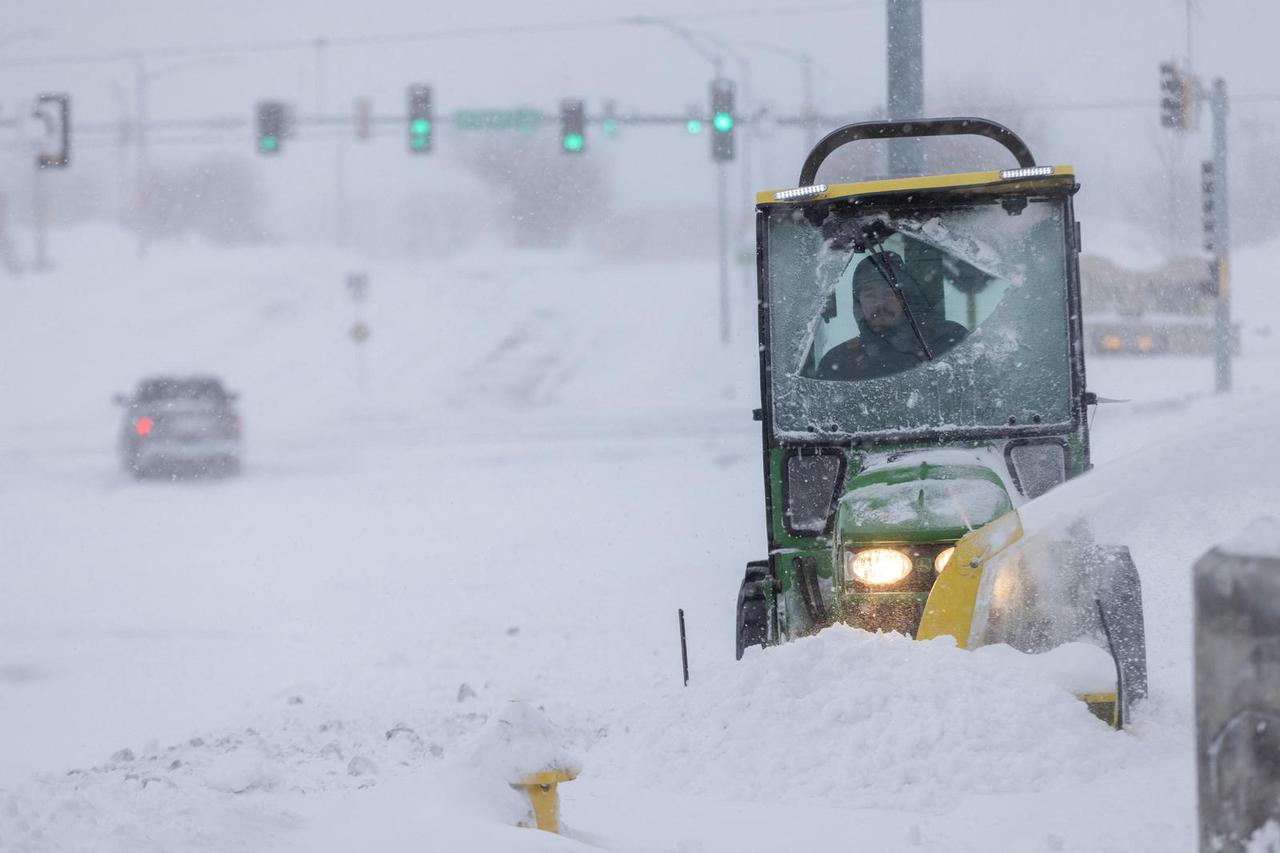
[
  {"x": 927, "y": 182},
  {"x": 799, "y": 192}
]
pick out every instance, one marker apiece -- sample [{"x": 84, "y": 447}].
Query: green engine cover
[{"x": 920, "y": 503}]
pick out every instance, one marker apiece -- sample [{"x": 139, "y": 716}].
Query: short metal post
[{"x": 684, "y": 650}]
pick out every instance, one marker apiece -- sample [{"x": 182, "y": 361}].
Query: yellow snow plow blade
[
  {"x": 953, "y": 600},
  {"x": 949, "y": 609}
]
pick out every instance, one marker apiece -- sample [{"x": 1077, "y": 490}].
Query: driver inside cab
[{"x": 896, "y": 332}]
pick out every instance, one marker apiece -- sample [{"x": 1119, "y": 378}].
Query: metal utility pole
[
  {"x": 39, "y": 216},
  {"x": 722, "y": 202},
  {"x": 140, "y": 175},
  {"x": 39, "y": 211},
  {"x": 1221, "y": 242},
  {"x": 904, "y": 62},
  {"x": 722, "y": 216},
  {"x": 339, "y": 141},
  {"x": 142, "y": 77},
  {"x": 722, "y": 186},
  {"x": 810, "y": 121}
]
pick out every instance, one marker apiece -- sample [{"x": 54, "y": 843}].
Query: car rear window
[{"x": 181, "y": 389}]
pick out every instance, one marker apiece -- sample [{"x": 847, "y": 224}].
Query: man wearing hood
[{"x": 888, "y": 342}]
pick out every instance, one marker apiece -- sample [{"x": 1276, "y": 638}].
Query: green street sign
[{"x": 522, "y": 121}]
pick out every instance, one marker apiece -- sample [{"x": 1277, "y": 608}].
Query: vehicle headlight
[
  {"x": 877, "y": 566},
  {"x": 940, "y": 561}
]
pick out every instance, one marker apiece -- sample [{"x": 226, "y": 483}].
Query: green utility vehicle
[{"x": 922, "y": 375}]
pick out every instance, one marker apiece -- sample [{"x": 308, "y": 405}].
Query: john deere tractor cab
[{"x": 922, "y": 375}]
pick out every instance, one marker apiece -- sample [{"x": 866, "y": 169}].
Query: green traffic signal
[
  {"x": 268, "y": 143},
  {"x": 609, "y": 126},
  {"x": 573, "y": 142},
  {"x": 693, "y": 126},
  {"x": 419, "y": 134},
  {"x": 723, "y": 122}
]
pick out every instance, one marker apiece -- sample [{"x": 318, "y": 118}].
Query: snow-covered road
[{"x": 301, "y": 657}]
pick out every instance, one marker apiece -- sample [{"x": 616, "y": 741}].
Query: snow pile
[
  {"x": 520, "y": 741},
  {"x": 208, "y": 789},
  {"x": 256, "y": 780},
  {"x": 876, "y": 720},
  {"x": 516, "y": 743}
]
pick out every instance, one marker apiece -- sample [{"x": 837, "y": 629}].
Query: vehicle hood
[{"x": 920, "y": 502}]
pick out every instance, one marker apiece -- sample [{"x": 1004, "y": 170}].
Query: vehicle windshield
[
  {"x": 891, "y": 320},
  {"x": 157, "y": 390}
]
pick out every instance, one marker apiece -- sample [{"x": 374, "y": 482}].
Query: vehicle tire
[{"x": 753, "y": 607}]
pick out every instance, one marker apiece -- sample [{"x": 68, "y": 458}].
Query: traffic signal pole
[
  {"x": 140, "y": 174},
  {"x": 40, "y": 216},
  {"x": 722, "y": 202},
  {"x": 1180, "y": 97},
  {"x": 1221, "y": 242},
  {"x": 40, "y": 260},
  {"x": 722, "y": 150},
  {"x": 904, "y": 60}
]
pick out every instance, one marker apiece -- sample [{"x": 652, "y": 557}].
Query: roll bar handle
[{"x": 914, "y": 128}]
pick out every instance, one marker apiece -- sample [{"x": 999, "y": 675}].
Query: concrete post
[{"x": 1237, "y": 682}]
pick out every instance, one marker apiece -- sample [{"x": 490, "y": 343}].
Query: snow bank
[{"x": 867, "y": 720}]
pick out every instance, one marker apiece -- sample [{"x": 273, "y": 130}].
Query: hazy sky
[
  {"x": 1087, "y": 49},
  {"x": 1033, "y": 52}
]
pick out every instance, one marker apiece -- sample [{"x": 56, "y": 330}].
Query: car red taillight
[{"x": 142, "y": 425}]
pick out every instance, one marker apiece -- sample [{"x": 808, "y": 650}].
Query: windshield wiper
[{"x": 886, "y": 272}]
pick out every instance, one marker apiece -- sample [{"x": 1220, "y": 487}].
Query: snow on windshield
[{"x": 890, "y": 321}]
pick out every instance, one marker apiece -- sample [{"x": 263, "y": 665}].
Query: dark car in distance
[{"x": 176, "y": 426}]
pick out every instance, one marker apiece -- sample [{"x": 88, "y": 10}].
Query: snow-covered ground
[{"x": 541, "y": 458}]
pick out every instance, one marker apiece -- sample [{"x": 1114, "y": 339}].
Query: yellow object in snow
[
  {"x": 544, "y": 799},
  {"x": 954, "y": 597},
  {"x": 949, "y": 610}
]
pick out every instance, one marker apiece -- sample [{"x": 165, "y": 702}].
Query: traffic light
[
  {"x": 573, "y": 124},
  {"x": 1207, "y": 187},
  {"x": 1177, "y": 98},
  {"x": 693, "y": 124},
  {"x": 1170, "y": 95},
  {"x": 55, "y": 112},
  {"x": 272, "y": 117},
  {"x": 722, "y": 119},
  {"x": 420, "y": 121},
  {"x": 609, "y": 124}
]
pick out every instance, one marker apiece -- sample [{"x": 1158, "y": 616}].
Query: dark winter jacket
[{"x": 873, "y": 354}]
